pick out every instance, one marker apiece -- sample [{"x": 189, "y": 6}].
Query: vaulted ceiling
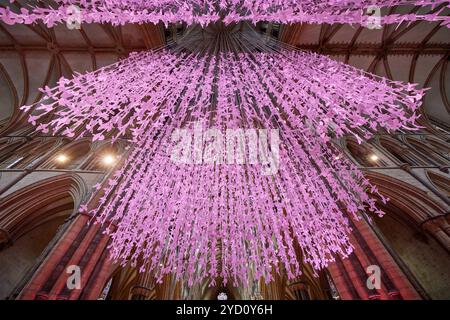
[
  {"x": 34, "y": 56},
  {"x": 413, "y": 53}
]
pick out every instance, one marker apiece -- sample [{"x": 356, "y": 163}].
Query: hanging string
[
  {"x": 198, "y": 215},
  {"x": 204, "y": 12}
]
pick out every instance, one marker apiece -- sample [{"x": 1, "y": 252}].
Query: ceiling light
[
  {"x": 61, "y": 158},
  {"x": 109, "y": 159}
]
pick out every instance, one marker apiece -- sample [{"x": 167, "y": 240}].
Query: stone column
[
  {"x": 439, "y": 228},
  {"x": 370, "y": 250}
]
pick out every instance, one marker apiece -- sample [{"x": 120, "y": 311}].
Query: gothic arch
[
  {"x": 404, "y": 229},
  {"x": 309, "y": 286},
  {"x": 75, "y": 151},
  {"x": 409, "y": 229},
  {"x": 361, "y": 153},
  {"x": 8, "y": 145},
  {"x": 441, "y": 182},
  {"x": 31, "y": 206},
  {"x": 404, "y": 232},
  {"x": 119, "y": 284},
  {"x": 211, "y": 293},
  {"x": 29, "y": 220},
  {"x": 414, "y": 202},
  {"x": 26, "y": 154},
  {"x": 400, "y": 153},
  {"x": 13, "y": 118},
  {"x": 427, "y": 152},
  {"x": 420, "y": 253},
  {"x": 441, "y": 147}
]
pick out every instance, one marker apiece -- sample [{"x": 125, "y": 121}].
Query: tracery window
[
  {"x": 27, "y": 155},
  {"x": 428, "y": 152},
  {"x": 402, "y": 153},
  {"x": 440, "y": 182},
  {"x": 363, "y": 155}
]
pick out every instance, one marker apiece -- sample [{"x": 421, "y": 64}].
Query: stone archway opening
[
  {"x": 427, "y": 260},
  {"x": 412, "y": 228},
  {"x": 30, "y": 219},
  {"x": 22, "y": 253}
]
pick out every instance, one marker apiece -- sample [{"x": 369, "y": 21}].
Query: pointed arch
[
  {"x": 27, "y": 153},
  {"x": 35, "y": 204},
  {"x": 400, "y": 153},
  {"x": 405, "y": 230},
  {"x": 427, "y": 152},
  {"x": 75, "y": 152},
  {"x": 441, "y": 182},
  {"x": 361, "y": 153},
  {"x": 120, "y": 283},
  {"x": 8, "y": 145},
  {"x": 311, "y": 285},
  {"x": 440, "y": 146},
  {"x": 416, "y": 203},
  {"x": 29, "y": 221}
]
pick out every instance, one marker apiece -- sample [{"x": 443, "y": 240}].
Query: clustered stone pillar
[
  {"x": 350, "y": 275},
  {"x": 439, "y": 228},
  {"x": 82, "y": 245}
]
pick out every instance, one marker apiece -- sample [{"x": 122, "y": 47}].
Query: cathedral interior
[{"x": 45, "y": 178}]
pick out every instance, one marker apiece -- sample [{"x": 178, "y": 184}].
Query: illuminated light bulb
[
  {"x": 109, "y": 159},
  {"x": 374, "y": 157},
  {"x": 62, "y": 158}
]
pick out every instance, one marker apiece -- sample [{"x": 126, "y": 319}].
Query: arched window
[
  {"x": 102, "y": 159},
  {"x": 206, "y": 292},
  {"x": 27, "y": 154},
  {"x": 70, "y": 156},
  {"x": 363, "y": 155},
  {"x": 401, "y": 153},
  {"x": 427, "y": 152},
  {"x": 440, "y": 147},
  {"x": 440, "y": 182}
]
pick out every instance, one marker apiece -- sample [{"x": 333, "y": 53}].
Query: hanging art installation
[
  {"x": 232, "y": 173},
  {"x": 204, "y": 12}
]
